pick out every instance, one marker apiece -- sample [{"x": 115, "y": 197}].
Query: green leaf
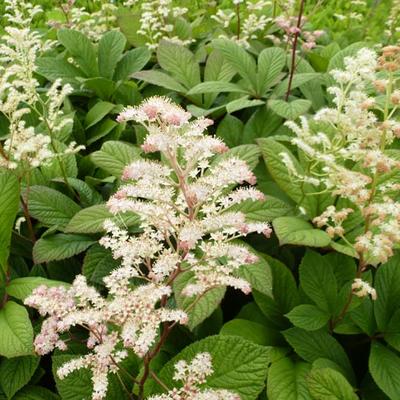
[
  {"x": 287, "y": 380},
  {"x": 102, "y": 87},
  {"x": 318, "y": 281},
  {"x": 97, "y": 113},
  {"x": 239, "y": 365},
  {"x": 111, "y": 47},
  {"x": 387, "y": 286},
  {"x": 87, "y": 195},
  {"x": 9, "y": 203},
  {"x": 290, "y": 110},
  {"x": 298, "y": 81},
  {"x": 308, "y": 317},
  {"x": 204, "y": 307},
  {"x": 230, "y": 129},
  {"x": 160, "y": 79},
  {"x": 53, "y": 68},
  {"x": 216, "y": 69},
  {"x": 239, "y": 59},
  {"x": 296, "y": 190},
  {"x": 15, "y": 373},
  {"x": 328, "y": 384},
  {"x": 98, "y": 263},
  {"x": 271, "y": 62},
  {"x": 216, "y": 87},
  {"x": 114, "y": 156},
  {"x": 103, "y": 128},
  {"x": 297, "y": 231},
  {"x": 91, "y": 219},
  {"x": 132, "y": 61},
  {"x": 252, "y": 331},
  {"x": 35, "y": 393},
  {"x": 384, "y": 366},
  {"x": 243, "y": 102},
  {"x": 16, "y": 333},
  {"x": 20, "y": 288},
  {"x": 180, "y": 62},
  {"x": 257, "y": 274},
  {"x": 81, "y": 49},
  {"x": 312, "y": 345},
  {"x": 266, "y": 210},
  {"x": 59, "y": 247},
  {"x": 50, "y": 206}
]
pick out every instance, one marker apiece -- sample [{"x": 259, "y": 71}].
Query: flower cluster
[
  {"x": 333, "y": 219},
  {"x": 91, "y": 24},
  {"x": 347, "y": 144},
  {"x": 192, "y": 375},
  {"x": 362, "y": 289},
  {"x": 157, "y": 18},
  {"x": 27, "y": 145},
  {"x": 190, "y": 219},
  {"x": 252, "y": 20}
]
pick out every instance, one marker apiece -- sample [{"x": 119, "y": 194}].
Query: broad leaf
[
  {"x": 20, "y": 288},
  {"x": 16, "y": 333},
  {"x": 318, "y": 281},
  {"x": 111, "y": 46},
  {"x": 239, "y": 365},
  {"x": 50, "y": 206},
  {"x": 91, "y": 219},
  {"x": 132, "y": 61},
  {"x": 318, "y": 344},
  {"x": 15, "y": 373},
  {"x": 59, "y": 247},
  {"x": 308, "y": 317},
  {"x": 384, "y": 366},
  {"x": 9, "y": 203},
  {"x": 287, "y": 380},
  {"x": 81, "y": 49},
  {"x": 290, "y": 110},
  {"x": 53, "y": 68},
  {"x": 387, "y": 286},
  {"x": 97, "y": 113},
  {"x": 180, "y": 62},
  {"x": 328, "y": 384},
  {"x": 297, "y": 231},
  {"x": 114, "y": 156},
  {"x": 271, "y": 62},
  {"x": 252, "y": 331},
  {"x": 239, "y": 59},
  {"x": 216, "y": 87},
  {"x": 159, "y": 78}
]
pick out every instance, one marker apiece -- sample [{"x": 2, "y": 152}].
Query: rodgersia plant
[
  {"x": 186, "y": 203},
  {"x": 27, "y": 146},
  {"x": 349, "y": 149}
]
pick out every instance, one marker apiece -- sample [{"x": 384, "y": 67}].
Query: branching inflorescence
[
  {"x": 347, "y": 146},
  {"x": 186, "y": 203}
]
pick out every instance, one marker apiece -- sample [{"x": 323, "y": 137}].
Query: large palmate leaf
[
  {"x": 271, "y": 62},
  {"x": 132, "y": 61}
]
